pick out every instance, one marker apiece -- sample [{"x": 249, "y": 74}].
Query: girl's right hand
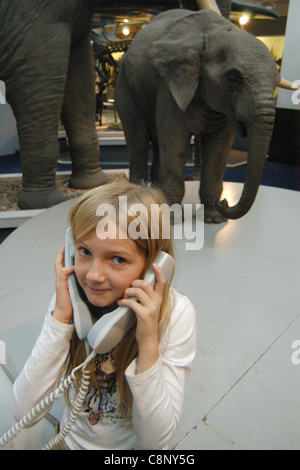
[{"x": 63, "y": 308}]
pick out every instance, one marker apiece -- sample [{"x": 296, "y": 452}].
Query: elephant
[
  {"x": 47, "y": 66},
  {"x": 195, "y": 73}
]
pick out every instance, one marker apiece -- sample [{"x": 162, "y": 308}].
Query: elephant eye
[{"x": 233, "y": 79}]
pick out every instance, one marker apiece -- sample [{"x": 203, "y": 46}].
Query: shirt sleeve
[
  {"x": 43, "y": 369},
  {"x": 158, "y": 393}
]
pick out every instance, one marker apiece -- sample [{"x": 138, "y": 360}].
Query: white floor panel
[
  {"x": 203, "y": 437},
  {"x": 262, "y": 410}
]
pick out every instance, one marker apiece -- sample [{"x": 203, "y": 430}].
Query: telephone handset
[{"x": 110, "y": 329}]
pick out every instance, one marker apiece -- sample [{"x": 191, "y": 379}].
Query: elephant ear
[{"x": 176, "y": 57}]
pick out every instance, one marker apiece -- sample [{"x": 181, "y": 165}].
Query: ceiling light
[
  {"x": 126, "y": 31},
  {"x": 244, "y": 19}
]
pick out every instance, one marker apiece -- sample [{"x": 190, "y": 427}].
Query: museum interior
[
  {"x": 243, "y": 279},
  {"x": 115, "y": 24}
]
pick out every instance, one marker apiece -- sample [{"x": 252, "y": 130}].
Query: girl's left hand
[{"x": 147, "y": 309}]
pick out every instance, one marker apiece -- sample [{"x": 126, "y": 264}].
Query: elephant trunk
[{"x": 259, "y": 136}]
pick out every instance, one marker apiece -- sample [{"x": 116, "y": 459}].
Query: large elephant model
[
  {"x": 195, "y": 73},
  {"x": 46, "y": 63}
]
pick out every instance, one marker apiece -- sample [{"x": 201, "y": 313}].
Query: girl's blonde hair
[{"x": 84, "y": 220}]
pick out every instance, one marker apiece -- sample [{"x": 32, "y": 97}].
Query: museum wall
[
  {"x": 291, "y": 62},
  {"x": 285, "y": 144},
  {"x": 9, "y": 141}
]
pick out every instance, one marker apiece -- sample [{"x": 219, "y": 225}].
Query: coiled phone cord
[{"x": 46, "y": 402}]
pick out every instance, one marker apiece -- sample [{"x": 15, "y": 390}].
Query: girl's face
[{"x": 105, "y": 268}]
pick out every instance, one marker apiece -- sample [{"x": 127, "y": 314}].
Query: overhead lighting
[
  {"x": 244, "y": 19},
  {"x": 126, "y": 31}
]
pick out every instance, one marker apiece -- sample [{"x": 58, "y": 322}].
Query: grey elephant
[
  {"x": 47, "y": 66},
  {"x": 195, "y": 73}
]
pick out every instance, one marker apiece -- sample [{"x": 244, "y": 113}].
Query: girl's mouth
[{"x": 98, "y": 291}]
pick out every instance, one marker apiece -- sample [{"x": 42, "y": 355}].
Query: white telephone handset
[{"x": 110, "y": 329}]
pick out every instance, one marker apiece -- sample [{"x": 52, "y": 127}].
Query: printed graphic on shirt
[{"x": 102, "y": 399}]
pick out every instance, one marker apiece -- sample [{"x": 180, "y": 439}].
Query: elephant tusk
[
  {"x": 287, "y": 85},
  {"x": 208, "y": 5}
]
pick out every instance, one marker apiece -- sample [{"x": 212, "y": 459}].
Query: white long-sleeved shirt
[{"x": 158, "y": 393}]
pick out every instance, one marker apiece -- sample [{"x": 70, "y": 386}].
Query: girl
[{"x": 136, "y": 391}]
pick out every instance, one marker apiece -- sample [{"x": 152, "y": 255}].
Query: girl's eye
[
  {"x": 118, "y": 260},
  {"x": 84, "y": 251}
]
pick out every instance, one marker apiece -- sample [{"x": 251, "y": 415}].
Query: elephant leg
[
  {"x": 173, "y": 152},
  {"x": 35, "y": 92},
  {"x": 197, "y": 156},
  {"x": 78, "y": 117},
  {"x": 155, "y": 168},
  {"x": 136, "y": 132},
  {"x": 215, "y": 151},
  {"x": 138, "y": 146}
]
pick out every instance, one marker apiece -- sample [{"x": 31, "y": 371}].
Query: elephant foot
[
  {"x": 88, "y": 180},
  {"x": 40, "y": 199},
  {"x": 212, "y": 216}
]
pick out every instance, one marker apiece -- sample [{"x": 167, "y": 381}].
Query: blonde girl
[{"x": 136, "y": 393}]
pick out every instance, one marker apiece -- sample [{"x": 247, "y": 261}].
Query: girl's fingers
[
  {"x": 59, "y": 265},
  {"x": 160, "y": 279},
  {"x": 63, "y": 274},
  {"x": 59, "y": 262},
  {"x": 138, "y": 295},
  {"x": 68, "y": 271},
  {"x": 146, "y": 286},
  {"x": 63, "y": 309},
  {"x": 144, "y": 291},
  {"x": 132, "y": 304}
]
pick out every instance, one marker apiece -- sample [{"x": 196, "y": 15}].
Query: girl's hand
[
  {"x": 147, "y": 309},
  {"x": 63, "y": 308}
]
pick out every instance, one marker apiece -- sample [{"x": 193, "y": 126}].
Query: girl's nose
[{"x": 96, "y": 273}]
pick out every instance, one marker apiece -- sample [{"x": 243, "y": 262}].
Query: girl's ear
[{"x": 176, "y": 57}]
